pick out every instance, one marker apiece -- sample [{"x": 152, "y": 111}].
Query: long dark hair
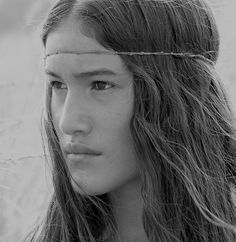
[{"x": 182, "y": 125}]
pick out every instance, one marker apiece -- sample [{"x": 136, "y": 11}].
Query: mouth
[{"x": 76, "y": 152}]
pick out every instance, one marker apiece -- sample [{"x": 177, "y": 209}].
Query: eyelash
[{"x": 54, "y": 83}]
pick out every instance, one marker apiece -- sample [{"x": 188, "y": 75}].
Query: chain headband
[{"x": 161, "y": 53}]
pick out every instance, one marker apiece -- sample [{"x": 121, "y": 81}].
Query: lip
[
  {"x": 80, "y": 159},
  {"x": 80, "y": 150}
]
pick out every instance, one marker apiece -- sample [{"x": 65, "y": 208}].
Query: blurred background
[{"x": 24, "y": 179}]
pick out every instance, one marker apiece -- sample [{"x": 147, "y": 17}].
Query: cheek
[
  {"x": 118, "y": 130},
  {"x": 121, "y": 156},
  {"x": 115, "y": 132}
]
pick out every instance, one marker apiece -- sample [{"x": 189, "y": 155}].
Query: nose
[{"x": 75, "y": 116}]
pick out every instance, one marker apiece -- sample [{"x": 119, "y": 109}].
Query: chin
[{"x": 86, "y": 191}]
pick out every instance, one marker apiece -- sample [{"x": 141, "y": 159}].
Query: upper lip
[{"x": 73, "y": 148}]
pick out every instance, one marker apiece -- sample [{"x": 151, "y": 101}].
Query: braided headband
[{"x": 161, "y": 53}]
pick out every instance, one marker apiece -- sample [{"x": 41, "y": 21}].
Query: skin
[{"x": 95, "y": 111}]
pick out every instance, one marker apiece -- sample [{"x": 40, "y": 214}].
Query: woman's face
[{"x": 92, "y": 104}]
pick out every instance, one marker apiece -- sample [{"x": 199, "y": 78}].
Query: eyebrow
[{"x": 86, "y": 73}]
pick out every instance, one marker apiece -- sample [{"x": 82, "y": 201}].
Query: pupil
[
  {"x": 57, "y": 85},
  {"x": 101, "y": 85}
]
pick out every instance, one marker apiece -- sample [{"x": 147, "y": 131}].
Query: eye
[
  {"x": 101, "y": 85},
  {"x": 57, "y": 85}
]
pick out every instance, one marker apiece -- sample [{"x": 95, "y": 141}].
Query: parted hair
[{"x": 182, "y": 126}]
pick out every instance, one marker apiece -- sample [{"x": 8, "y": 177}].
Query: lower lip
[{"x": 80, "y": 157}]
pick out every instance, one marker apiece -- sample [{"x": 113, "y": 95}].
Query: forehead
[{"x": 68, "y": 37}]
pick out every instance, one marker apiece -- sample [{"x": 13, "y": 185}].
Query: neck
[{"x": 127, "y": 209}]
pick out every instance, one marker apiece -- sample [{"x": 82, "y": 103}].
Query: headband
[{"x": 161, "y": 53}]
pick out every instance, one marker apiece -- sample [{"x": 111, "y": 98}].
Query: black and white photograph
[{"x": 118, "y": 121}]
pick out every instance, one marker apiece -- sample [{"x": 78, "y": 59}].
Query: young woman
[{"x": 141, "y": 136}]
